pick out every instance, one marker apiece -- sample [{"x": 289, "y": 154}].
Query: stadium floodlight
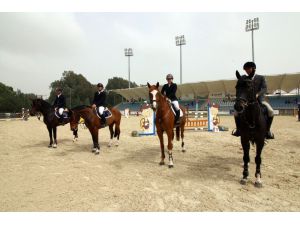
[
  {"x": 180, "y": 40},
  {"x": 128, "y": 53},
  {"x": 252, "y": 25}
]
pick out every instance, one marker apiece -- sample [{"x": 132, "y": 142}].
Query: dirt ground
[{"x": 128, "y": 177}]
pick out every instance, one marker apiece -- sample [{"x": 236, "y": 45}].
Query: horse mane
[{"x": 44, "y": 103}]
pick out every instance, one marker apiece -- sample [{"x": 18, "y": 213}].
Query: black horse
[
  {"x": 50, "y": 119},
  {"x": 253, "y": 124}
]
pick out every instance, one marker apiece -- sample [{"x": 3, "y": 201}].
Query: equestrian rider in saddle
[
  {"x": 260, "y": 88},
  {"x": 99, "y": 102},
  {"x": 60, "y": 104},
  {"x": 169, "y": 90}
]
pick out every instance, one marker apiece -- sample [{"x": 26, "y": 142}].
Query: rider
[
  {"x": 60, "y": 103},
  {"x": 100, "y": 102},
  {"x": 260, "y": 87},
  {"x": 169, "y": 90}
]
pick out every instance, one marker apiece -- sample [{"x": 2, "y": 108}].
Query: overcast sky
[{"x": 35, "y": 48}]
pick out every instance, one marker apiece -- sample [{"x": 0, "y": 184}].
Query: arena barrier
[{"x": 203, "y": 120}]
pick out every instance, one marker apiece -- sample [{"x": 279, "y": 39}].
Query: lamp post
[
  {"x": 252, "y": 25},
  {"x": 128, "y": 53},
  {"x": 180, "y": 40}
]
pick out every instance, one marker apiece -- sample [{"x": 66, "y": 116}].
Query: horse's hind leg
[
  {"x": 54, "y": 134},
  {"x": 259, "y": 147},
  {"x": 246, "y": 159},
  {"x": 50, "y": 136},
  {"x": 111, "y": 129},
  {"x": 170, "y": 134},
  {"x": 117, "y": 132},
  {"x": 162, "y": 147}
]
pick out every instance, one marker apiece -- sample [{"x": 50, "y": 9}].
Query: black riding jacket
[
  {"x": 100, "y": 99},
  {"x": 170, "y": 91},
  {"x": 60, "y": 102},
  {"x": 260, "y": 86}
]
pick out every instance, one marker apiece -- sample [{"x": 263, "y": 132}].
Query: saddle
[
  {"x": 107, "y": 113},
  {"x": 65, "y": 114}
]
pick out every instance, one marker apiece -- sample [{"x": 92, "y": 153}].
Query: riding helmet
[
  {"x": 59, "y": 89},
  {"x": 249, "y": 65},
  {"x": 169, "y": 76},
  {"x": 99, "y": 85}
]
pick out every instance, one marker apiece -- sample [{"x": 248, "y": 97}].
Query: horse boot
[
  {"x": 177, "y": 116},
  {"x": 103, "y": 121},
  {"x": 269, "y": 134},
  {"x": 237, "y": 132}
]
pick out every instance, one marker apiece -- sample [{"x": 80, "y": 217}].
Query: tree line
[{"x": 76, "y": 88}]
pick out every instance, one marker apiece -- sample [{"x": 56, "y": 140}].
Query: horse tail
[
  {"x": 177, "y": 133},
  {"x": 117, "y": 124}
]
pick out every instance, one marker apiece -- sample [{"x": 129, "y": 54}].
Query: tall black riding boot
[
  {"x": 61, "y": 119},
  {"x": 177, "y": 116},
  {"x": 269, "y": 135},
  {"x": 237, "y": 132},
  {"x": 103, "y": 121}
]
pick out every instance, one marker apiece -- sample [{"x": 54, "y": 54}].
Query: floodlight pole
[
  {"x": 128, "y": 53},
  {"x": 252, "y": 25},
  {"x": 180, "y": 40}
]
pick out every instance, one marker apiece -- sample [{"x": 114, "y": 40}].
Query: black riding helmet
[
  {"x": 249, "y": 65},
  {"x": 169, "y": 76},
  {"x": 59, "y": 89},
  {"x": 99, "y": 85}
]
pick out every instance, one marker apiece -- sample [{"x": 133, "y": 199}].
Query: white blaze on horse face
[{"x": 154, "y": 92}]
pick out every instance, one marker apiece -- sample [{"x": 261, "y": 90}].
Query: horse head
[
  {"x": 74, "y": 120},
  {"x": 36, "y": 106},
  {"x": 154, "y": 96},
  {"x": 245, "y": 94}
]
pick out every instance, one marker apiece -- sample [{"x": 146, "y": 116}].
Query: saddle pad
[
  {"x": 107, "y": 113},
  {"x": 65, "y": 114}
]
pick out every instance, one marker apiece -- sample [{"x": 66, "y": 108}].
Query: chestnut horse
[
  {"x": 93, "y": 123},
  {"x": 165, "y": 121},
  {"x": 40, "y": 106}
]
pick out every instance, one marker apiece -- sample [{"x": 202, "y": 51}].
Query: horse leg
[
  {"x": 50, "y": 136},
  {"x": 170, "y": 135},
  {"x": 54, "y": 134},
  {"x": 182, "y": 136},
  {"x": 160, "y": 134},
  {"x": 246, "y": 159},
  {"x": 117, "y": 132},
  {"x": 111, "y": 129},
  {"x": 96, "y": 143},
  {"x": 94, "y": 140},
  {"x": 75, "y": 134},
  {"x": 259, "y": 147}
]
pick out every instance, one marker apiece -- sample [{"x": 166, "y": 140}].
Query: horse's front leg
[
  {"x": 111, "y": 130},
  {"x": 259, "y": 147},
  {"x": 246, "y": 158},
  {"x": 170, "y": 135},
  {"x": 50, "y": 136},
  {"x": 54, "y": 134},
  {"x": 75, "y": 134},
  {"x": 162, "y": 147},
  {"x": 96, "y": 143}
]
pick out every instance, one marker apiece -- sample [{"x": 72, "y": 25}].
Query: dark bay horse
[
  {"x": 93, "y": 123},
  {"x": 51, "y": 121},
  {"x": 253, "y": 124},
  {"x": 165, "y": 122}
]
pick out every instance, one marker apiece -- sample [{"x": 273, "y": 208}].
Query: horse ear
[
  {"x": 237, "y": 74},
  {"x": 148, "y": 85},
  {"x": 157, "y": 85}
]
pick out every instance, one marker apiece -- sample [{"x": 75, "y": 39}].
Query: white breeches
[
  {"x": 101, "y": 110},
  {"x": 60, "y": 111},
  {"x": 176, "y": 104}
]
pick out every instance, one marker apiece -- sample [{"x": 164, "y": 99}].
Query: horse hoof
[
  {"x": 171, "y": 166},
  {"x": 49, "y": 146},
  {"x": 94, "y": 150},
  {"x": 54, "y": 146},
  {"x": 162, "y": 163},
  {"x": 97, "y": 152},
  {"x": 243, "y": 181},
  {"x": 258, "y": 184},
  {"x": 183, "y": 150}
]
